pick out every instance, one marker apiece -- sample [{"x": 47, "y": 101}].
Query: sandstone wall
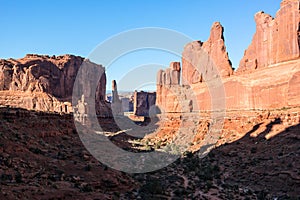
[
  {"x": 44, "y": 83},
  {"x": 268, "y": 88},
  {"x": 167, "y": 79},
  {"x": 195, "y": 66},
  {"x": 268, "y": 77},
  {"x": 276, "y": 40},
  {"x": 34, "y": 101}
]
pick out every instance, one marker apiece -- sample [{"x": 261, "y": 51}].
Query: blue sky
[{"x": 77, "y": 27}]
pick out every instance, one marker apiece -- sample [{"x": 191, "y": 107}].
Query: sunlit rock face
[
  {"x": 275, "y": 40},
  {"x": 193, "y": 71},
  {"x": 45, "y": 83},
  {"x": 267, "y": 78}
]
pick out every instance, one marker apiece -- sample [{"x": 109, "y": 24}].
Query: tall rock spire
[{"x": 215, "y": 48}]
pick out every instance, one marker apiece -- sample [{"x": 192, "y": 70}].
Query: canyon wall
[
  {"x": 268, "y": 76},
  {"x": 194, "y": 65},
  {"x": 276, "y": 39},
  {"x": 45, "y": 83}
]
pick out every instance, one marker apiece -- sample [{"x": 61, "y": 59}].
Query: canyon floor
[{"x": 257, "y": 157}]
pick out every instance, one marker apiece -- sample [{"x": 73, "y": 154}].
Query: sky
[{"x": 78, "y": 27}]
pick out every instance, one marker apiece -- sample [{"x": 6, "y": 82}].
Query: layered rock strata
[
  {"x": 276, "y": 39},
  {"x": 45, "y": 83},
  {"x": 268, "y": 76}
]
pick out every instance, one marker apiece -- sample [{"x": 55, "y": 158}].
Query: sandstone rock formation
[
  {"x": 276, "y": 40},
  {"x": 201, "y": 62},
  {"x": 43, "y": 83},
  {"x": 171, "y": 76},
  {"x": 35, "y": 73},
  {"x": 274, "y": 51},
  {"x": 144, "y": 103},
  {"x": 194, "y": 70},
  {"x": 166, "y": 79},
  {"x": 170, "y": 97},
  {"x": 116, "y": 103},
  {"x": 115, "y": 95},
  {"x": 81, "y": 110}
]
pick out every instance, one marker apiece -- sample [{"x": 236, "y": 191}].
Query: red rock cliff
[
  {"x": 42, "y": 82},
  {"x": 276, "y": 40},
  {"x": 36, "y": 73},
  {"x": 274, "y": 53},
  {"x": 215, "y": 48}
]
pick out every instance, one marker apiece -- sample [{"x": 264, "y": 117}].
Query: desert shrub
[
  {"x": 253, "y": 150},
  {"x": 153, "y": 187},
  {"x": 157, "y": 145},
  {"x": 6, "y": 177},
  {"x": 35, "y": 150},
  {"x": 88, "y": 167},
  {"x": 18, "y": 177},
  {"x": 86, "y": 188},
  {"x": 173, "y": 149},
  {"x": 147, "y": 147}
]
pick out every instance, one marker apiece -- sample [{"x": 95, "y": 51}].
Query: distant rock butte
[
  {"x": 144, "y": 103},
  {"x": 276, "y": 40},
  {"x": 44, "y": 83},
  {"x": 267, "y": 78}
]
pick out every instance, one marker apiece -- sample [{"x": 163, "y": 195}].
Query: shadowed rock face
[
  {"x": 144, "y": 103},
  {"x": 42, "y": 83},
  {"x": 276, "y": 40}
]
